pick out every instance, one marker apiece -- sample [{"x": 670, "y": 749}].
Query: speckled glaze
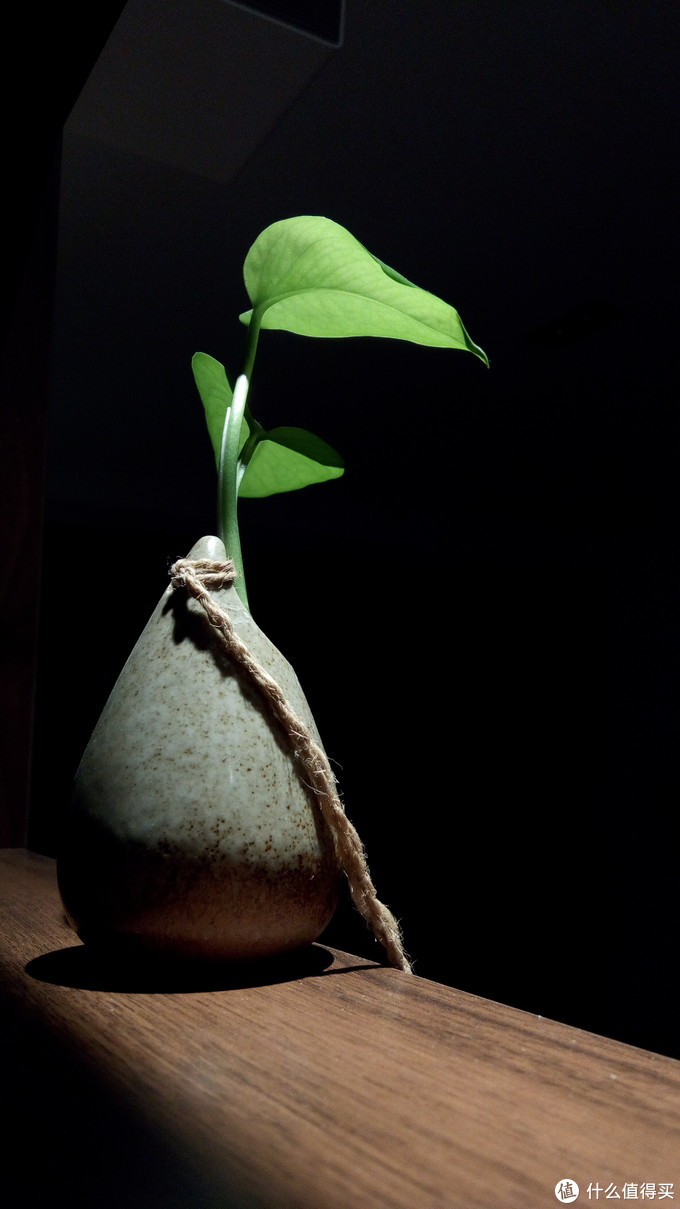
[{"x": 190, "y": 833}]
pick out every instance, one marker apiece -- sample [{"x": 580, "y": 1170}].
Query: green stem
[
  {"x": 232, "y": 465},
  {"x": 228, "y": 482},
  {"x": 251, "y": 344}
]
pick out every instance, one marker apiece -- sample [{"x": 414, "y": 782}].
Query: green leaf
[
  {"x": 216, "y": 394},
  {"x": 286, "y": 459},
  {"x": 309, "y": 275}
]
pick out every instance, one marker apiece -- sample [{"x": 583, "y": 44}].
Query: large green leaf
[
  {"x": 309, "y": 275},
  {"x": 286, "y": 459},
  {"x": 216, "y": 395}
]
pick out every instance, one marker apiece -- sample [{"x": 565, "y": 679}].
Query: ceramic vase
[{"x": 190, "y": 832}]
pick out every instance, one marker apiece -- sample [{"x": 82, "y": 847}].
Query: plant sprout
[{"x": 306, "y": 275}]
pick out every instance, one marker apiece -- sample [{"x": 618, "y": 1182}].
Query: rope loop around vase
[
  {"x": 197, "y": 576},
  {"x": 208, "y": 571}
]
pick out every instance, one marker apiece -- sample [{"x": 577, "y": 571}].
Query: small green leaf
[
  {"x": 286, "y": 459},
  {"x": 216, "y": 395},
  {"x": 309, "y": 275}
]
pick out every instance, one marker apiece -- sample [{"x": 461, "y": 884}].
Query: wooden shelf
[{"x": 333, "y": 1084}]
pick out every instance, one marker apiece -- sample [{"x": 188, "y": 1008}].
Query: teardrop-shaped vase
[{"x": 190, "y": 832}]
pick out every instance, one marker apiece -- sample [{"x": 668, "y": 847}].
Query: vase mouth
[{"x": 211, "y": 547}]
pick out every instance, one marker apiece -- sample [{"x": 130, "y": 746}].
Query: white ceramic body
[{"x": 190, "y": 832}]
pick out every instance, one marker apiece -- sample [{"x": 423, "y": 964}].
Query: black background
[{"x": 483, "y": 611}]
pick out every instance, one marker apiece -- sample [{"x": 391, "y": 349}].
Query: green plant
[{"x": 306, "y": 275}]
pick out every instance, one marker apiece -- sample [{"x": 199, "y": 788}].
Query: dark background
[{"x": 483, "y": 611}]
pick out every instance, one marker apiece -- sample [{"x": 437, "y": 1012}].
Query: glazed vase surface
[{"x": 190, "y": 832}]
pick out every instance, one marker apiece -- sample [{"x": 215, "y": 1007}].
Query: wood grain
[{"x": 336, "y": 1083}]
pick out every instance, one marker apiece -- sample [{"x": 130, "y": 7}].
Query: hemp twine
[{"x": 197, "y": 576}]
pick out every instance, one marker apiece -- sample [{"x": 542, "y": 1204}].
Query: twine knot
[{"x": 209, "y": 572}]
